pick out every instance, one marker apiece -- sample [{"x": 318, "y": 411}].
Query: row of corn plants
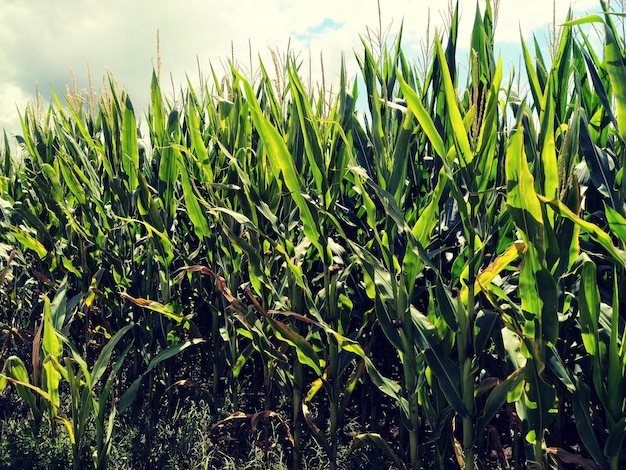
[{"x": 447, "y": 263}]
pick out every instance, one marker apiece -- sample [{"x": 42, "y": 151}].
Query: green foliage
[
  {"x": 413, "y": 277},
  {"x": 20, "y": 448}
]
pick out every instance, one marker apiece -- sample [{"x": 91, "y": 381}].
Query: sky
[{"x": 46, "y": 44}]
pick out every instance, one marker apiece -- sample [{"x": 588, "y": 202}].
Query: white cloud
[{"x": 13, "y": 100}]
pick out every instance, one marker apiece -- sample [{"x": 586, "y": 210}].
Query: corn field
[{"x": 438, "y": 279}]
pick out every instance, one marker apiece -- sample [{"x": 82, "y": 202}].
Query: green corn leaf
[
  {"x": 422, "y": 231},
  {"x": 401, "y": 158},
  {"x": 548, "y": 150},
  {"x": 613, "y": 446},
  {"x": 522, "y": 201},
  {"x": 485, "y": 330},
  {"x": 51, "y": 343},
  {"x": 414, "y": 103},
  {"x": 166, "y": 243},
  {"x": 168, "y": 166},
  {"x": 239, "y": 218},
  {"x": 584, "y": 20},
  {"x": 157, "y": 109},
  {"x": 148, "y": 208},
  {"x": 533, "y": 79},
  {"x": 305, "y": 352},
  {"x": 562, "y": 69},
  {"x": 589, "y": 308},
  {"x": 14, "y": 371},
  {"x": 192, "y": 198},
  {"x": 369, "y": 71},
  {"x": 547, "y": 290},
  {"x": 594, "y": 70},
  {"x": 617, "y": 223},
  {"x": 154, "y": 306},
  {"x": 128, "y": 397},
  {"x": 53, "y": 175},
  {"x": 359, "y": 176},
  {"x": 541, "y": 67},
  {"x": 58, "y": 306},
  {"x": 281, "y": 159},
  {"x": 599, "y": 235},
  {"x": 251, "y": 192},
  {"x": 616, "y": 67},
  {"x": 487, "y": 137},
  {"x": 53, "y": 348},
  {"x": 558, "y": 368},
  {"x": 616, "y": 373},
  {"x": 102, "y": 363},
  {"x": 318, "y": 434},
  {"x": 8, "y": 162},
  {"x": 130, "y": 149},
  {"x": 310, "y": 132},
  {"x": 272, "y": 99},
  {"x": 496, "y": 399},
  {"x": 28, "y": 242},
  {"x": 602, "y": 173},
  {"x": 13, "y": 368},
  {"x": 71, "y": 180},
  {"x": 481, "y": 45},
  {"x": 376, "y": 439},
  {"x": 380, "y": 277},
  {"x": 171, "y": 352},
  {"x": 537, "y": 400},
  {"x": 51, "y": 381},
  {"x": 537, "y": 287},
  {"x": 353, "y": 380},
  {"x": 454, "y": 114},
  {"x": 447, "y": 305},
  {"x": 442, "y": 366},
  {"x": 197, "y": 143},
  {"x": 385, "y": 385},
  {"x": 242, "y": 359}
]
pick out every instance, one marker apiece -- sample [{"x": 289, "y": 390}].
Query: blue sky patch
[{"x": 312, "y": 31}]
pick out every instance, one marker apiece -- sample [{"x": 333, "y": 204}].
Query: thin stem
[
  {"x": 466, "y": 352},
  {"x": 334, "y": 410}
]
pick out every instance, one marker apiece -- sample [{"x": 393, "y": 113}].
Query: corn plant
[
  {"x": 41, "y": 393},
  {"x": 87, "y": 400},
  {"x": 476, "y": 234}
]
